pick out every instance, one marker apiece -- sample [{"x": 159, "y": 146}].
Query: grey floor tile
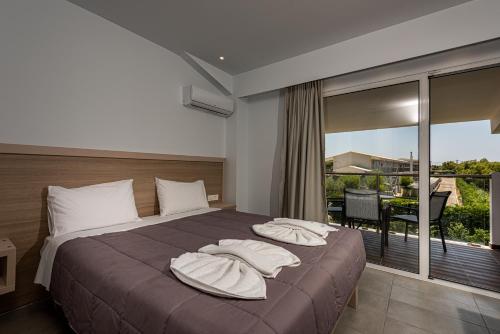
[
  {"x": 363, "y": 320},
  {"x": 345, "y": 329},
  {"x": 372, "y": 301},
  {"x": 430, "y": 321},
  {"x": 37, "y": 318},
  {"x": 492, "y": 318},
  {"x": 438, "y": 305},
  {"x": 377, "y": 282},
  {"x": 393, "y": 326},
  {"x": 485, "y": 302},
  {"x": 435, "y": 290},
  {"x": 378, "y": 288},
  {"x": 490, "y": 309},
  {"x": 379, "y": 274}
]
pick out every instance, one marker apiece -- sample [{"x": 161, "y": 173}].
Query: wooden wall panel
[{"x": 24, "y": 179}]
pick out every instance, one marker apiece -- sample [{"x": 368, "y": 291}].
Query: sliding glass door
[
  {"x": 465, "y": 154},
  {"x": 427, "y": 142},
  {"x": 372, "y": 139}
]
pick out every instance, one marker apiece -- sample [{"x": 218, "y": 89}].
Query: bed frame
[
  {"x": 353, "y": 300},
  {"x": 352, "y": 303},
  {"x": 26, "y": 172}
]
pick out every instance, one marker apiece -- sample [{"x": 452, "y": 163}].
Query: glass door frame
[
  {"x": 379, "y": 81},
  {"x": 423, "y": 156}
]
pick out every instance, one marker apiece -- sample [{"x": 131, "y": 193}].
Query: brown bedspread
[{"x": 121, "y": 282}]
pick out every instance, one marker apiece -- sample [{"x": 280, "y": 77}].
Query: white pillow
[
  {"x": 84, "y": 208},
  {"x": 177, "y": 197}
]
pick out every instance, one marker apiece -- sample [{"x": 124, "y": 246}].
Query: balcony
[{"x": 469, "y": 221}]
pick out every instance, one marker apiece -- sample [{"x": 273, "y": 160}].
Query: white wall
[
  {"x": 236, "y": 164},
  {"x": 469, "y": 23},
  {"x": 71, "y": 78},
  {"x": 252, "y": 161},
  {"x": 264, "y": 118}
]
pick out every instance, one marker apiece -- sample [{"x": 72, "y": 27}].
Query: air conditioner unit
[{"x": 200, "y": 99}]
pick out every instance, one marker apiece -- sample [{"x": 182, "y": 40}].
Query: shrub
[
  {"x": 434, "y": 231},
  {"x": 404, "y": 201},
  {"x": 335, "y": 185},
  {"x": 472, "y": 195},
  {"x": 473, "y": 215},
  {"x": 370, "y": 181},
  {"x": 480, "y": 236},
  {"x": 457, "y": 231},
  {"x": 350, "y": 181},
  {"x": 405, "y": 181}
]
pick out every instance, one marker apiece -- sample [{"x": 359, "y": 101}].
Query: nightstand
[
  {"x": 7, "y": 266},
  {"x": 223, "y": 205}
]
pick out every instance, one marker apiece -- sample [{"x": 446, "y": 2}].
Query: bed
[{"x": 120, "y": 281}]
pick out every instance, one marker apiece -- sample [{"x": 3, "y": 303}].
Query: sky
[{"x": 449, "y": 142}]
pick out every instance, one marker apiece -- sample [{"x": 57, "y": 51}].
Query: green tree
[
  {"x": 350, "y": 181},
  {"x": 405, "y": 181},
  {"x": 329, "y": 166}
]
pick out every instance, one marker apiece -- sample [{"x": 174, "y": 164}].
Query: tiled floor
[
  {"x": 396, "y": 304},
  {"x": 388, "y": 304},
  {"x": 38, "y": 318}
]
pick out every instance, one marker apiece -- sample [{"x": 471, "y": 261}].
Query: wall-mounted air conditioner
[{"x": 201, "y": 99}]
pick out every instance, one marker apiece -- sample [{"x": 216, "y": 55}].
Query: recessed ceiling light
[{"x": 221, "y": 58}]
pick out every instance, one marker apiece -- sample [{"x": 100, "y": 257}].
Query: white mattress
[{"x": 51, "y": 244}]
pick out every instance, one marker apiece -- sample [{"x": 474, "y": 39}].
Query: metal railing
[
  {"x": 378, "y": 175},
  {"x": 468, "y": 222}
]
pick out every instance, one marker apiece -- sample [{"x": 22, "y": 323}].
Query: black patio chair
[
  {"x": 336, "y": 209},
  {"x": 363, "y": 206},
  {"x": 437, "y": 202}
]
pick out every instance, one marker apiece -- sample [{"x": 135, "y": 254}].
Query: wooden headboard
[{"x": 27, "y": 171}]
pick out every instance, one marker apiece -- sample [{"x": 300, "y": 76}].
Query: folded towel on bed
[
  {"x": 266, "y": 258},
  {"x": 220, "y": 276},
  {"x": 319, "y": 228},
  {"x": 289, "y": 234}
]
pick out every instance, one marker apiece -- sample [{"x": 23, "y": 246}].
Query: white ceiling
[{"x": 254, "y": 33}]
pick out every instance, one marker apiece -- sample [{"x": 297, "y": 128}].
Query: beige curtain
[{"x": 302, "y": 185}]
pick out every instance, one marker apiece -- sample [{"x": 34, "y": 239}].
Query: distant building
[{"x": 356, "y": 162}]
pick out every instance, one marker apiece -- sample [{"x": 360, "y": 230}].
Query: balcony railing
[{"x": 466, "y": 217}]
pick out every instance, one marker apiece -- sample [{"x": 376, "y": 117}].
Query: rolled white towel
[
  {"x": 266, "y": 258},
  {"x": 319, "y": 228},
  {"x": 219, "y": 276},
  {"x": 289, "y": 234}
]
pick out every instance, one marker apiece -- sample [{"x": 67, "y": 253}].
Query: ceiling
[
  {"x": 463, "y": 97},
  {"x": 254, "y": 33}
]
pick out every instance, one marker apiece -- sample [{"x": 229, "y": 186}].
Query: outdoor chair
[
  {"x": 437, "y": 205},
  {"x": 363, "y": 206},
  {"x": 336, "y": 209}
]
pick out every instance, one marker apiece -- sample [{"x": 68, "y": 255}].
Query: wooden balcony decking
[{"x": 477, "y": 267}]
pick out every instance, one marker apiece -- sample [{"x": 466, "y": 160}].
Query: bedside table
[
  {"x": 7, "y": 266},
  {"x": 223, "y": 205}
]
